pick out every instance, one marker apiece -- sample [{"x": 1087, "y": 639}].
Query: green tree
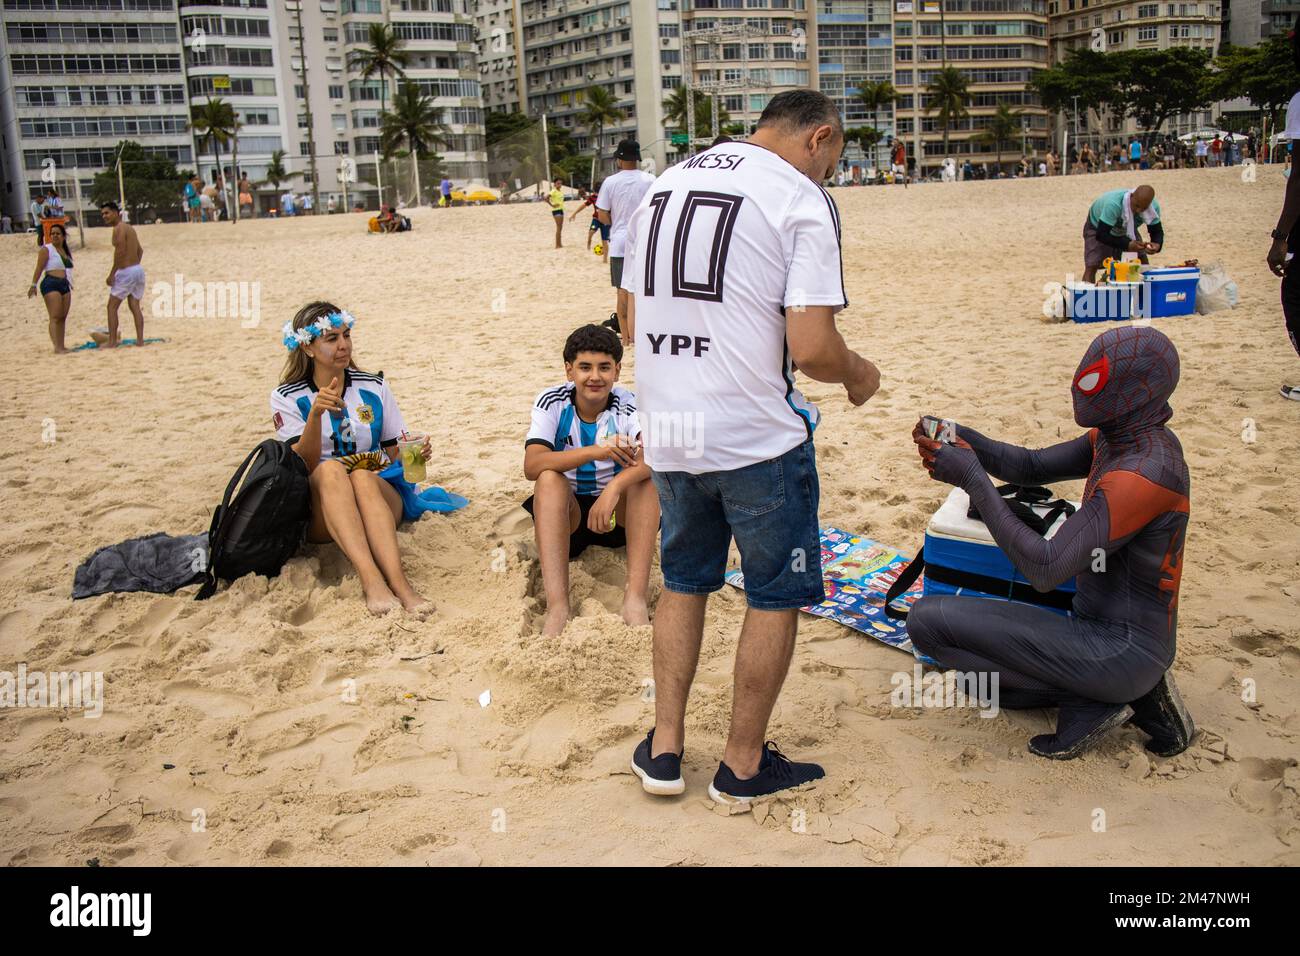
[
  {"x": 1157, "y": 84},
  {"x": 384, "y": 56},
  {"x": 675, "y": 112},
  {"x": 500, "y": 126},
  {"x": 1264, "y": 74},
  {"x": 598, "y": 111},
  {"x": 949, "y": 97},
  {"x": 276, "y": 171},
  {"x": 151, "y": 183},
  {"x": 215, "y": 121},
  {"x": 1090, "y": 78},
  {"x": 1002, "y": 129},
  {"x": 413, "y": 120},
  {"x": 868, "y": 137},
  {"x": 876, "y": 97}
]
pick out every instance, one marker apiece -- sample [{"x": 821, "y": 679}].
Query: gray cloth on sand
[{"x": 157, "y": 562}]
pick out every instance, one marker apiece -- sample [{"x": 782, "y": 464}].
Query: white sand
[{"x": 466, "y": 315}]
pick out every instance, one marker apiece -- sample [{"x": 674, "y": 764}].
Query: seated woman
[
  {"x": 54, "y": 273},
  {"x": 344, "y": 424},
  {"x": 1109, "y": 661}
]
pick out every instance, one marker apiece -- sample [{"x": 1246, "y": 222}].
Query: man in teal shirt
[{"x": 1111, "y": 227}]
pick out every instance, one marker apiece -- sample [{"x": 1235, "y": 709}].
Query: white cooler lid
[{"x": 950, "y": 521}]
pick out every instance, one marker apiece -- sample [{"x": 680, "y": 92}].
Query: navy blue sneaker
[
  {"x": 660, "y": 775},
  {"x": 776, "y": 772}
]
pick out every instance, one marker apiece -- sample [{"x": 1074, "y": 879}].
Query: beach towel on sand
[{"x": 158, "y": 563}]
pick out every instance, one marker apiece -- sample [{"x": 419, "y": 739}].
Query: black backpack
[{"x": 262, "y": 519}]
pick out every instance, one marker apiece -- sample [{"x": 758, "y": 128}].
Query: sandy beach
[{"x": 228, "y": 735}]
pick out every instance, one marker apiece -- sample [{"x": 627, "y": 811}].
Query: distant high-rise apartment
[
  {"x": 79, "y": 76},
  {"x": 998, "y": 45},
  {"x": 1131, "y": 25}
]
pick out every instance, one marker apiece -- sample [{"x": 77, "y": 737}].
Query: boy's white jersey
[{"x": 721, "y": 248}]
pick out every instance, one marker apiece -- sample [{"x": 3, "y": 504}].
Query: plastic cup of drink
[{"x": 411, "y": 450}]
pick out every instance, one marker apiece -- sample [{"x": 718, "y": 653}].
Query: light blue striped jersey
[{"x": 557, "y": 425}]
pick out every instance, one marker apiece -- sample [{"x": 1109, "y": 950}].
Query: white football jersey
[{"x": 720, "y": 248}]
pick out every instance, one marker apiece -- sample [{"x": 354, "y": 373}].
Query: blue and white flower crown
[{"x": 335, "y": 320}]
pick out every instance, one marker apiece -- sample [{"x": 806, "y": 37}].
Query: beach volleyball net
[{"x": 518, "y": 161}]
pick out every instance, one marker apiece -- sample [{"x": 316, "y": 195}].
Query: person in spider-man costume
[{"x": 1109, "y": 660}]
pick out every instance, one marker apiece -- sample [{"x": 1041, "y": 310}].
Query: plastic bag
[{"x": 1215, "y": 290}]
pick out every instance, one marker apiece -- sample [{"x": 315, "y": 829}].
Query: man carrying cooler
[
  {"x": 1111, "y": 227},
  {"x": 733, "y": 271}
]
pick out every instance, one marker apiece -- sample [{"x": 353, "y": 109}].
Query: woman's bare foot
[
  {"x": 417, "y": 604},
  {"x": 556, "y": 619},
  {"x": 380, "y": 602},
  {"x": 635, "y": 611}
]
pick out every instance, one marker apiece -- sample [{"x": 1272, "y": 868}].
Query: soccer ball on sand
[{"x": 598, "y": 249}]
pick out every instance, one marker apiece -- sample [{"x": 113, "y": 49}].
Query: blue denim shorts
[{"x": 770, "y": 508}]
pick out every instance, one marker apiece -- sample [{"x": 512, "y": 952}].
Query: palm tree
[
  {"x": 675, "y": 110},
  {"x": 600, "y": 111},
  {"x": 415, "y": 120},
  {"x": 383, "y": 55},
  {"x": 276, "y": 172},
  {"x": 875, "y": 97},
  {"x": 950, "y": 96},
  {"x": 1001, "y": 129},
  {"x": 216, "y": 122}
]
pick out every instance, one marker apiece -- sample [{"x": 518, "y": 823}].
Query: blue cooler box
[
  {"x": 1168, "y": 292},
  {"x": 1108, "y": 302},
  {"x": 956, "y": 543}
]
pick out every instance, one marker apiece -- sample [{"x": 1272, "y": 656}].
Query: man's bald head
[{"x": 1142, "y": 197}]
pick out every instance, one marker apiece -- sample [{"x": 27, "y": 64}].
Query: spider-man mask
[{"x": 1125, "y": 379}]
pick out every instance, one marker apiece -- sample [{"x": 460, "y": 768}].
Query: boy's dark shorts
[
  {"x": 584, "y": 537},
  {"x": 616, "y": 271}
]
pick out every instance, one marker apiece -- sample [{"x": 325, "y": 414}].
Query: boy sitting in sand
[{"x": 583, "y": 454}]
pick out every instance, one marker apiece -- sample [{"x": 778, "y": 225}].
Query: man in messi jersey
[
  {"x": 733, "y": 266},
  {"x": 590, "y": 483}
]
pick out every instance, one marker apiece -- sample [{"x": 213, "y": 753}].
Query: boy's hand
[
  {"x": 625, "y": 453},
  {"x": 600, "y": 519}
]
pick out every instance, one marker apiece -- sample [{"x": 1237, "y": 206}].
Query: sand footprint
[{"x": 212, "y": 703}]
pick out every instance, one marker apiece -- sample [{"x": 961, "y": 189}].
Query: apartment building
[
  {"x": 1247, "y": 22},
  {"x": 232, "y": 53},
  {"x": 1132, "y": 25},
  {"x": 998, "y": 45},
  {"x": 500, "y": 51},
  {"x": 855, "y": 46},
  {"x": 79, "y": 76},
  {"x": 777, "y": 52},
  {"x": 630, "y": 47}
]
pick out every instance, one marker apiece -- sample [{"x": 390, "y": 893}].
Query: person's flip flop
[{"x": 1291, "y": 391}]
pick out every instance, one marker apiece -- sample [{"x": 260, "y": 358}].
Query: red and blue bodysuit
[{"x": 1108, "y": 661}]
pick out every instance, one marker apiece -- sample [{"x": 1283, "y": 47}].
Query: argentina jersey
[
  {"x": 557, "y": 425},
  {"x": 370, "y": 420}
]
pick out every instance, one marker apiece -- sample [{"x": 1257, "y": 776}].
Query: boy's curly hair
[{"x": 592, "y": 338}]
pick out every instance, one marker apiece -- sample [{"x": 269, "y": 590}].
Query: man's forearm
[{"x": 842, "y": 364}]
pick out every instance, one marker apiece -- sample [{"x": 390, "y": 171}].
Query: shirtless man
[{"x": 126, "y": 278}]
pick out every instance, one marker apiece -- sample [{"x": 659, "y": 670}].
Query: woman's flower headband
[{"x": 328, "y": 323}]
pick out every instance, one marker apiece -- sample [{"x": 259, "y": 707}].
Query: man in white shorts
[{"x": 126, "y": 278}]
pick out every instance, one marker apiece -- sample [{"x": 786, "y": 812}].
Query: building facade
[
  {"x": 998, "y": 45},
  {"x": 1112, "y": 25},
  {"x": 80, "y": 76},
  {"x": 500, "y": 51},
  {"x": 233, "y": 54}
]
